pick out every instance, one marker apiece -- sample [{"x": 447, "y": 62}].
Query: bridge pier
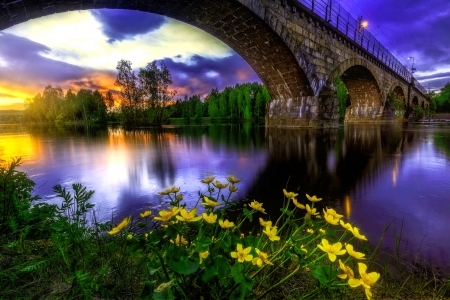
[{"x": 305, "y": 111}]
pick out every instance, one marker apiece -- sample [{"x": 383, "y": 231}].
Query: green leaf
[
  {"x": 239, "y": 293},
  {"x": 325, "y": 274},
  {"x": 209, "y": 273},
  {"x": 163, "y": 291},
  {"x": 147, "y": 291},
  {"x": 236, "y": 272},
  {"x": 184, "y": 265},
  {"x": 248, "y": 214},
  {"x": 247, "y": 282}
]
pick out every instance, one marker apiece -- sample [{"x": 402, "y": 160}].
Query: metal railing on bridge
[{"x": 354, "y": 29}]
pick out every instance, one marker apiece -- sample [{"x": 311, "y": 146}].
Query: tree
[
  {"x": 129, "y": 92},
  {"x": 109, "y": 100},
  {"x": 154, "y": 83}
]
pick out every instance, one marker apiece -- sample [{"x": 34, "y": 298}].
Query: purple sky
[{"x": 87, "y": 57}]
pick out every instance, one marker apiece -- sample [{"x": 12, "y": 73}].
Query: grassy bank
[{"x": 64, "y": 252}]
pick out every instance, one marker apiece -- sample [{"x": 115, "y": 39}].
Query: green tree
[{"x": 154, "y": 83}]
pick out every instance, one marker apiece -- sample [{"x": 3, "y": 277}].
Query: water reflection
[{"x": 371, "y": 174}]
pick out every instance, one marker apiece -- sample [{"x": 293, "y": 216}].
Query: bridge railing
[{"x": 340, "y": 19}]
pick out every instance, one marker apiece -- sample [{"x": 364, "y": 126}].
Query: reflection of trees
[
  {"x": 327, "y": 162},
  {"x": 442, "y": 142}
]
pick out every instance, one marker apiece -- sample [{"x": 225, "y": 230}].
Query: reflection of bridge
[{"x": 298, "y": 49}]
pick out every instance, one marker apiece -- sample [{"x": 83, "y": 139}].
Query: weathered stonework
[{"x": 296, "y": 54}]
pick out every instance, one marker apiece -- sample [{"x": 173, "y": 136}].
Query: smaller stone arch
[
  {"x": 395, "y": 103},
  {"x": 363, "y": 86}
]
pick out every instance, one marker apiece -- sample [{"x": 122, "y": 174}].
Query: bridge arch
[
  {"x": 366, "y": 99},
  {"x": 228, "y": 20}
]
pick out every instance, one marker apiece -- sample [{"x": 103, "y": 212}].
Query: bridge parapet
[{"x": 353, "y": 29}]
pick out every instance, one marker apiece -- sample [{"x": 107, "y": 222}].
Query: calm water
[{"x": 372, "y": 174}]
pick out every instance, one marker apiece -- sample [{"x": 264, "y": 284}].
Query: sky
[{"x": 81, "y": 49}]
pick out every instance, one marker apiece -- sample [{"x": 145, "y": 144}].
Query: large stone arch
[{"x": 228, "y": 20}]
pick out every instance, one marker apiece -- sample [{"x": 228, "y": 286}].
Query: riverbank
[{"x": 64, "y": 252}]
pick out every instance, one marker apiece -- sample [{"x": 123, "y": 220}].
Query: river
[{"x": 373, "y": 174}]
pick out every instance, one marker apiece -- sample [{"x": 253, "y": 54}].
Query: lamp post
[{"x": 412, "y": 66}]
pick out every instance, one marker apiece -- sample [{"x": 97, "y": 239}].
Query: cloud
[
  {"x": 117, "y": 25},
  {"x": 199, "y": 75}
]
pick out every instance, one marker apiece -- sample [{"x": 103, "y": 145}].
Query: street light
[{"x": 412, "y": 66}]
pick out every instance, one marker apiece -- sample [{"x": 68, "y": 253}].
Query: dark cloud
[
  {"x": 202, "y": 74},
  {"x": 411, "y": 28},
  {"x": 119, "y": 24},
  {"x": 28, "y": 65}
]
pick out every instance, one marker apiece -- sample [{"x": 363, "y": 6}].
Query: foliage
[
  {"x": 419, "y": 113},
  {"x": 55, "y": 107},
  {"x": 342, "y": 95},
  {"x": 242, "y": 101},
  {"x": 193, "y": 256},
  {"x": 15, "y": 196},
  {"x": 397, "y": 103},
  {"x": 442, "y": 100}
]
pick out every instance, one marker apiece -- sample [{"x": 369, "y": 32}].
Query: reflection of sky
[
  {"x": 127, "y": 169},
  {"x": 417, "y": 195}
]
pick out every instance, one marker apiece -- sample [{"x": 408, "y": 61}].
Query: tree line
[
  {"x": 56, "y": 107},
  {"x": 144, "y": 99},
  {"x": 241, "y": 101}
]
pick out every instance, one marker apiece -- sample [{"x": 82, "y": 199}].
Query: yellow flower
[
  {"x": 332, "y": 250},
  {"x": 208, "y": 179},
  {"x": 302, "y": 247},
  {"x": 310, "y": 211},
  {"x": 257, "y": 206},
  {"x": 232, "y": 188},
  {"x": 262, "y": 258},
  {"x": 233, "y": 180},
  {"x": 180, "y": 241},
  {"x": 189, "y": 216},
  {"x": 265, "y": 223},
  {"x": 225, "y": 224},
  {"x": 210, "y": 202},
  {"x": 289, "y": 195},
  {"x": 331, "y": 216},
  {"x": 242, "y": 236},
  {"x": 121, "y": 226},
  {"x": 242, "y": 254},
  {"x": 358, "y": 235},
  {"x": 309, "y": 230},
  {"x": 299, "y": 205},
  {"x": 203, "y": 255},
  {"x": 367, "y": 280},
  {"x": 271, "y": 233},
  {"x": 219, "y": 185},
  {"x": 166, "y": 215},
  {"x": 322, "y": 231},
  {"x": 146, "y": 214},
  {"x": 211, "y": 218},
  {"x": 313, "y": 198},
  {"x": 353, "y": 253},
  {"x": 348, "y": 272},
  {"x": 179, "y": 197},
  {"x": 169, "y": 191},
  {"x": 129, "y": 237},
  {"x": 347, "y": 226}
]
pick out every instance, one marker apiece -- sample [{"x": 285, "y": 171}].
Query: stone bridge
[{"x": 299, "y": 49}]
